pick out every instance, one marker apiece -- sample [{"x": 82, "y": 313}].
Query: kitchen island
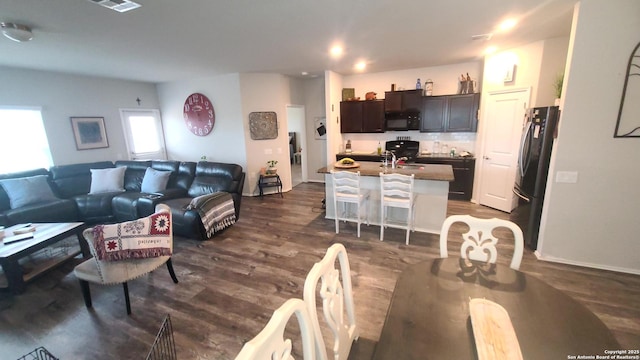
[{"x": 431, "y": 184}]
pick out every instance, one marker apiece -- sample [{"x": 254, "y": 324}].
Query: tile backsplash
[{"x": 368, "y": 143}]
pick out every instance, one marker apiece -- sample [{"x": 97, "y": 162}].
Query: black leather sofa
[
  {"x": 72, "y": 183},
  {"x": 61, "y": 210}
]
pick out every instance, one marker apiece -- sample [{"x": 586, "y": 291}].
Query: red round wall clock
[{"x": 199, "y": 115}]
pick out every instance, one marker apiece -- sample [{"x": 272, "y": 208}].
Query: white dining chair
[
  {"x": 270, "y": 343},
  {"x": 337, "y": 298},
  {"x": 347, "y": 191},
  {"x": 396, "y": 191},
  {"x": 480, "y": 243}
]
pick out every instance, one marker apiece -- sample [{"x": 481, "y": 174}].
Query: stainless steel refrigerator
[{"x": 533, "y": 166}]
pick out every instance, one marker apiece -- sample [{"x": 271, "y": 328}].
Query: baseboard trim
[{"x": 585, "y": 264}]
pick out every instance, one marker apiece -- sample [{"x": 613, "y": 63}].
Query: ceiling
[{"x": 183, "y": 39}]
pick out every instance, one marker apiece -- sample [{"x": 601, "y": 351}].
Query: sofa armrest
[{"x": 146, "y": 204}]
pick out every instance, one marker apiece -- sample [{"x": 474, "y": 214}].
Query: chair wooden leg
[
  {"x": 126, "y": 297},
  {"x": 382, "y": 223},
  {"x": 171, "y": 272},
  {"x": 86, "y": 293}
]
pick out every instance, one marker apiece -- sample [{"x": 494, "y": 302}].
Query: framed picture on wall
[{"x": 89, "y": 132}]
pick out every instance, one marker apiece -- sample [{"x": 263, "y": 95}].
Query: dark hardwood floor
[{"x": 230, "y": 286}]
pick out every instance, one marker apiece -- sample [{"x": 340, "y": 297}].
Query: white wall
[
  {"x": 225, "y": 142},
  {"x": 266, "y": 92},
  {"x": 333, "y": 94},
  {"x": 315, "y": 106},
  {"x": 594, "y": 222},
  {"x": 62, "y": 96},
  {"x": 445, "y": 79},
  {"x": 554, "y": 58}
]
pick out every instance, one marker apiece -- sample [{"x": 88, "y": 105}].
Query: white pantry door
[
  {"x": 143, "y": 134},
  {"x": 504, "y": 118}
]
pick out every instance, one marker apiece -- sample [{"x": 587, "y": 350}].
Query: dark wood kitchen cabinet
[
  {"x": 450, "y": 113},
  {"x": 362, "y": 116},
  {"x": 403, "y": 101},
  {"x": 461, "y": 188}
]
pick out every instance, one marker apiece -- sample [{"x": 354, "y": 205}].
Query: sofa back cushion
[
  {"x": 27, "y": 190},
  {"x": 75, "y": 179},
  {"x": 134, "y": 174},
  {"x": 183, "y": 177},
  {"x": 213, "y": 177},
  {"x": 4, "y": 198}
]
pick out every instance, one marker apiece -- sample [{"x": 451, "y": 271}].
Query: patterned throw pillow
[{"x": 137, "y": 239}]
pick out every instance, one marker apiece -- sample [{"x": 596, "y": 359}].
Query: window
[
  {"x": 23, "y": 141},
  {"x": 143, "y": 132}
]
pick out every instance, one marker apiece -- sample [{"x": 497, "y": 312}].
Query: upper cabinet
[
  {"x": 403, "y": 101},
  {"x": 362, "y": 116},
  {"x": 450, "y": 113}
]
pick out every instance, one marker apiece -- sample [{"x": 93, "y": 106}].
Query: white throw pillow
[
  {"x": 154, "y": 180},
  {"x": 107, "y": 180},
  {"x": 28, "y": 190}
]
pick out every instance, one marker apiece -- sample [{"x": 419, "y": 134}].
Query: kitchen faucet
[{"x": 393, "y": 159}]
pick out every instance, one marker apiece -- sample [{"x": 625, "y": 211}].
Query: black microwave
[{"x": 402, "y": 121}]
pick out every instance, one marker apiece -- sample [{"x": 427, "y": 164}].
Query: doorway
[
  {"x": 297, "y": 143},
  {"x": 504, "y": 116}
]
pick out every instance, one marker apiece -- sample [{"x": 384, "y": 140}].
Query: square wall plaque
[{"x": 263, "y": 125}]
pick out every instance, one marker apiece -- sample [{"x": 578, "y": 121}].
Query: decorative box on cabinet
[
  {"x": 450, "y": 113},
  {"x": 362, "y": 116}
]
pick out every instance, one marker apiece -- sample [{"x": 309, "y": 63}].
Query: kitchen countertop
[
  {"x": 421, "y": 171},
  {"x": 374, "y": 155}
]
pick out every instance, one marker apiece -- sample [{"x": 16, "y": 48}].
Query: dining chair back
[
  {"x": 480, "y": 242},
  {"x": 270, "y": 343},
  {"x": 347, "y": 190},
  {"x": 396, "y": 191},
  {"x": 337, "y": 299},
  {"x": 110, "y": 272}
]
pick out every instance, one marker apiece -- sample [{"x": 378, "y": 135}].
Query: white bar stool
[
  {"x": 396, "y": 190},
  {"x": 346, "y": 190}
]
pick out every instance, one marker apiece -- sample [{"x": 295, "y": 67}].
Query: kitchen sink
[{"x": 407, "y": 166}]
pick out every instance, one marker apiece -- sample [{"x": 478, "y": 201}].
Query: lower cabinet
[{"x": 463, "y": 172}]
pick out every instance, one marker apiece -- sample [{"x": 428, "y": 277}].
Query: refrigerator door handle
[
  {"x": 521, "y": 160},
  {"x": 520, "y": 195}
]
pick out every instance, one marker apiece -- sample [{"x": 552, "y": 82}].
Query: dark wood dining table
[{"x": 428, "y": 317}]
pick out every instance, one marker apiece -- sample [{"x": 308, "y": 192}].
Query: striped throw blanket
[{"x": 216, "y": 211}]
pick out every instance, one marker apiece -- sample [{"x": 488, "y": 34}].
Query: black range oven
[{"x": 404, "y": 148}]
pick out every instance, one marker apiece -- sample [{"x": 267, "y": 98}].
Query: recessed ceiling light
[
  {"x": 360, "y": 65},
  {"x": 507, "y": 24},
  {"x": 16, "y": 32},
  {"x": 490, "y": 50},
  {"x": 336, "y": 51},
  {"x": 304, "y": 73},
  {"x": 484, "y": 37}
]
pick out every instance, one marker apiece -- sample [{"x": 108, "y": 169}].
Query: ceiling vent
[{"x": 117, "y": 5}]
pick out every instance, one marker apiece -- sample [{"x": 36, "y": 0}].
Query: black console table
[{"x": 271, "y": 180}]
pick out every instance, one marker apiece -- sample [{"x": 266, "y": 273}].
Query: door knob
[{"x": 486, "y": 158}]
